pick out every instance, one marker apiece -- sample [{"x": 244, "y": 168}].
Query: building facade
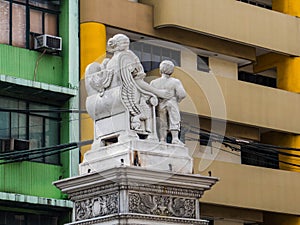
[
  {"x": 39, "y": 57},
  {"x": 239, "y": 62}
]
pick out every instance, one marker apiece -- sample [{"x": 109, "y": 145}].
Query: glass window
[
  {"x": 136, "y": 47},
  {"x": 18, "y": 25},
  {"x": 36, "y": 132},
  {"x": 51, "y": 21},
  {"x": 19, "y": 29},
  {"x": 146, "y": 57},
  {"x": 176, "y": 56},
  {"x": 18, "y": 125},
  {"x": 202, "y": 64},
  {"x": 33, "y": 129},
  {"x": 20, "y": 218},
  {"x": 4, "y": 22},
  {"x": 54, "y": 5},
  {"x": 33, "y": 219},
  {"x": 36, "y": 21},
  {"x": 156, "y": 56},
  {"x": 50, "y": 220},
  {"x": 166, "y": 54},
  {"x": 262, "y": 158},
  {"x": 4, "y": 125},
  {"x": 51, "y": 139},
  {"x": 151, "y": 55},
  {"x": 257, "y": 79}
]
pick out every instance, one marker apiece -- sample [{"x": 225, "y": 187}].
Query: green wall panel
[
  {"x": 64, "y": 33},
  {"x": 30, "y": 178},
  {"x": 21, "y": 63}
]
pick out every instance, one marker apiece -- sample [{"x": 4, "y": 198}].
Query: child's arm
[{"x": 180, "y": 92}]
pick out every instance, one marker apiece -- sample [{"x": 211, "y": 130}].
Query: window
[
  {"x": 23, "y": 128},
  {"x": 202, "y": 64},
  {"x": 21, "y": 20},
  {"x": 257, "y": 79},
  {"x": 19, "y": 218},
  {"x": 259, "y": 3},
  {"x": 151, "y": 55},
  {"x": 262, "y": 158}
]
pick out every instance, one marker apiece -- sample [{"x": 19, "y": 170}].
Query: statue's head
[
  {"x": 166, "y": 67},
  {"x": 118, "y": 42}
]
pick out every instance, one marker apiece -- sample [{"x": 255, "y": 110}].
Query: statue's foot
[
  {"x": 138, "y": 130},
  {"x": 163, "y": 140},
  {"x": 176, "y": 141}
]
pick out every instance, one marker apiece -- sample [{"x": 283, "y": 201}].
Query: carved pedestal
[
  {"x": 136, "y": 196},
  {"x": 147, "y": 154}
]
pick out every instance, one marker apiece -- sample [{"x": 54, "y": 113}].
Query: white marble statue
[
  {"x": 120, "y": 102},
  {"x": 168, "y": 109}
]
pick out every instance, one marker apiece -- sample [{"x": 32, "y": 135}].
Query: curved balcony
[{"x": 231, "y": 20}]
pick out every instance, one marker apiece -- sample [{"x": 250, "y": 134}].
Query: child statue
[{"x": 168, "y": 109}]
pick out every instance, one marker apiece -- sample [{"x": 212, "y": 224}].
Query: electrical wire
[
  {"x": 25, "y": 155},
  {"x": 269, "y": 157},
  {"x": 37, "y": 63},
  {"x": 260, "y": 149}
]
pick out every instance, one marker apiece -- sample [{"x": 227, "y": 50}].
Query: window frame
[
  {"x": 154, "y": 64},
  {"x": 45, "y": 118},
  {"x": 204, "y": 61},
  {"x": 28, "y": 34}
]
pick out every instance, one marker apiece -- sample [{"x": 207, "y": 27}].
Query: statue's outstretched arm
[{"x": 159, "y": 93}]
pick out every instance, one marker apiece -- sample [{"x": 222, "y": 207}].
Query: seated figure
[{"x": 120, "y": 102}]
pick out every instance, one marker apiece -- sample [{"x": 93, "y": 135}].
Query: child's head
[{"x": 166, "y": 67}]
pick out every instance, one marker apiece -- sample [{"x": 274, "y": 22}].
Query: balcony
[
  {"x": 252, "y": 187},
  {"x": 231, "y": 20},
  {"x": 267, "y": 4},
  {"x": 138, "y": 18},
  {"x": 238, "y": 101}
]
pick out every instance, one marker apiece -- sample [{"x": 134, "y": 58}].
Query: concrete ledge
[
  {"x": 35, "y": 200},
  {"x": 38, "y": 91}
]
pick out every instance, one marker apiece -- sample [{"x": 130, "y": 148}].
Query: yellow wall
[
  {"x": 280, "y": 219},
  {"x": 238, "y": 102},
  {"x": 92, "y": 48},
  {"x": 287, "y": 70},
  {"x": 285, "y": 140},
  {"x": 137, "y": 17},
  {"x": 251, "y": 187},
  {"x": 288, "y": 78},
  {"x": 291, "y": 7},
  {"x": 231, "y": 20}
]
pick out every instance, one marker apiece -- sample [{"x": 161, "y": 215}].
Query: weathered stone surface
[
  {"x": 142, "y": 153},
  {"x": 128, "y": 176},
  {"x": 133, "y": 195}
]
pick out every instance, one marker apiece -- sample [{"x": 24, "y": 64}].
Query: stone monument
[{"x": 130, "y": 176}]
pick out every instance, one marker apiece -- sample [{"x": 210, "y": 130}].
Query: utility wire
[
  {"x": 208, "y": 135},
  {"x": 43, "y": 110},
  {"x": 24, "y": 155},
  {"x": 269, "y": 157}
]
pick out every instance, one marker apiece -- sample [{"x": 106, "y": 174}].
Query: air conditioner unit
[
  {"x": 14, "y": 144},
  {"x": 48, "y": 42}
]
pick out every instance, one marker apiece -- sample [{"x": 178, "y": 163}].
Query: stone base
[
  {"x": 134, "y": 195},
  {"x": 143, "y": 153},
  {"x": 134, "y": 219}
]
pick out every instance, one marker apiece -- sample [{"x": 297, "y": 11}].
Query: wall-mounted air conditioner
[
  {"x": 48, "y": 42},
  {"x": 13, "y": 144}
]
